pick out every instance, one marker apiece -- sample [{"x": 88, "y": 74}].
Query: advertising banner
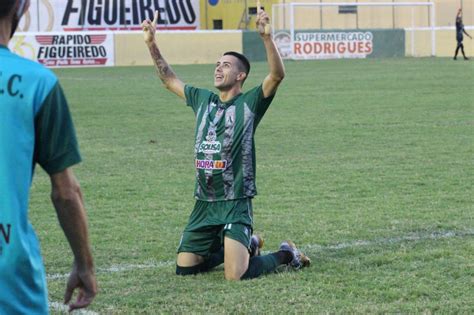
[
  {"x": 102, "y": 15},
  {"x": 331, "y": 45},
  {"x": 327, "y": 44},
  {"x": 66, "y": 49}
]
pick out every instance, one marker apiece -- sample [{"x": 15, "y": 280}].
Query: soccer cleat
[
  {"x": 300, "y": 260},
  {"x": 256, "y": 244}
]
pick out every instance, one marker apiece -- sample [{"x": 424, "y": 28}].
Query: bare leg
[{"x": 236, "y": 259}]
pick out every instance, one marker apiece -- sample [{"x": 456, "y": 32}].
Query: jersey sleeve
[
  {"x": 56, "y": 146},
  {"x": 260, "y": 104},
  {"x": 192, "y": 97}
]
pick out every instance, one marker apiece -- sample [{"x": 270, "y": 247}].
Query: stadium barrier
[
  {"x": 418, "y": 42},
  {"x": 126, "y": 48}
]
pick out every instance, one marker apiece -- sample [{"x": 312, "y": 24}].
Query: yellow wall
[
  {"x": 445, "y": 44},
  {"x": 207, "y": 47},
  {"x": 230, "y": 11},
  {"x": 177, "y": 47}
]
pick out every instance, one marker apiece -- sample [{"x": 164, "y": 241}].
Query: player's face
[{"x": 226, "y": 73}]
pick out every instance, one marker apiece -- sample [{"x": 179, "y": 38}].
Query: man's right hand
[{"x": 149, "y": 29}]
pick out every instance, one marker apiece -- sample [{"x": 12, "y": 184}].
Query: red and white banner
[
  {"x": 332, "y": 45},
  {"x": 113, "y": 15},
  {"x": 66, "y": 49}
]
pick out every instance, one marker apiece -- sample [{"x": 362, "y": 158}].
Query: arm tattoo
[{"x": 164, "y": 70}]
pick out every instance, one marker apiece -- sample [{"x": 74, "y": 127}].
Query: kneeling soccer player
[{"x": 220, "y": 226}]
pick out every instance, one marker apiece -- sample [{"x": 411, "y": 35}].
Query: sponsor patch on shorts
[{"x": 211, "y": 164}]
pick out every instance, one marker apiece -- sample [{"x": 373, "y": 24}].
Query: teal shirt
[
  {"x": 35, "y": 127},
  {"x": 224, "y": 148}
]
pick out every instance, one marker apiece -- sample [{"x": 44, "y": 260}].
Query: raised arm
[
  {"x": 166, "y": 74},
  {"x": 275, "y": 63},
  {"x": 67, "y": 199}
]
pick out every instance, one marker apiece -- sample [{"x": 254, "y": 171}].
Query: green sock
[
  {"x": 260, "y": 265},
  {"x": 214, "y": 260}
]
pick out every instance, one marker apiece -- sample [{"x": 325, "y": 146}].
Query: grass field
[{"x": 368, "y": 165}]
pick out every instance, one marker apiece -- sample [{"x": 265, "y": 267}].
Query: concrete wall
[
  {"x": 177, "y": 47},
  {"x": 445, "y": 43},
  {"x": 205, "y": 47},
  {"x": 231, "y": 11}
]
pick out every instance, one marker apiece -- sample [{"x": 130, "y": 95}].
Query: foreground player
[
  {"x": 220, "y": 226},
  {"x": 36, "y": 127},
  {"x": 459, "y": 36}
]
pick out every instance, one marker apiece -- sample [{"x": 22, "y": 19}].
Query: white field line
[
  {"x": 392, "y": 240},
  {"x": 60, "y": 307},
  {"x": 415, "y": 237},
  {"x": 118, "y": 268}
]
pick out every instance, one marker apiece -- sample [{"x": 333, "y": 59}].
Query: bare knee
[
  {"x": 233, "y": 275},
  {"x": 188, "y": 259},
  {"x": 235, "y": 270}
]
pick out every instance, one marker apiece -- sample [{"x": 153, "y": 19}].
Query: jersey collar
[{"x": 231, "y": 101}]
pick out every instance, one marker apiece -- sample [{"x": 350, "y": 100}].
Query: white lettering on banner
[
  {"x": 316, "y": 45},
  {"x": 62, "y": 50},
  {"x": 99, "y": 15}
]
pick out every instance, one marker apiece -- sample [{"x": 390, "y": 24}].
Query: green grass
[{"x": 366, "y": 164}]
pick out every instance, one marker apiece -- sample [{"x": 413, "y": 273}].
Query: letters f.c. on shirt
[{"x": 224, "y": 142}]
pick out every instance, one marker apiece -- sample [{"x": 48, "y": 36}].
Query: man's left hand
[{"x": 263, "y": 22}]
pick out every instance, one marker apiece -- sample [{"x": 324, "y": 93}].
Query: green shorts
[{"x": 210, "y": 222}]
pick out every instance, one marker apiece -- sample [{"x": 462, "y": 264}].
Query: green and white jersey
[{"x": 225, "y": 147}]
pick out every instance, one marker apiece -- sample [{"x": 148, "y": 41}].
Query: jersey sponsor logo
[
  {"x": 210, "y": 147},
  {"x": 211, "y": 164}
]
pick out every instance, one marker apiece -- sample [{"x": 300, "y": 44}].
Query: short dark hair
[
  {"x": 243, "y": 60},
  {"x": 6, "y": 7}
]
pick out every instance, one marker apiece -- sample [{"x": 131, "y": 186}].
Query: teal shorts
[{"x": 211, "y": 222}]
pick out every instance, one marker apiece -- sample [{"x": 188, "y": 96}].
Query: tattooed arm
[{"x": 166, "y": 74}]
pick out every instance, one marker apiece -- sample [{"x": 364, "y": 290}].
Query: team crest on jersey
[
  {"x": 229, "y": 120},
  {"x": 211, "y": 164},
  {"x": 211, "y": 135}
]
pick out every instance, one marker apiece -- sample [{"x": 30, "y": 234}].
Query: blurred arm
[{"x": 464, "y": 30}]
